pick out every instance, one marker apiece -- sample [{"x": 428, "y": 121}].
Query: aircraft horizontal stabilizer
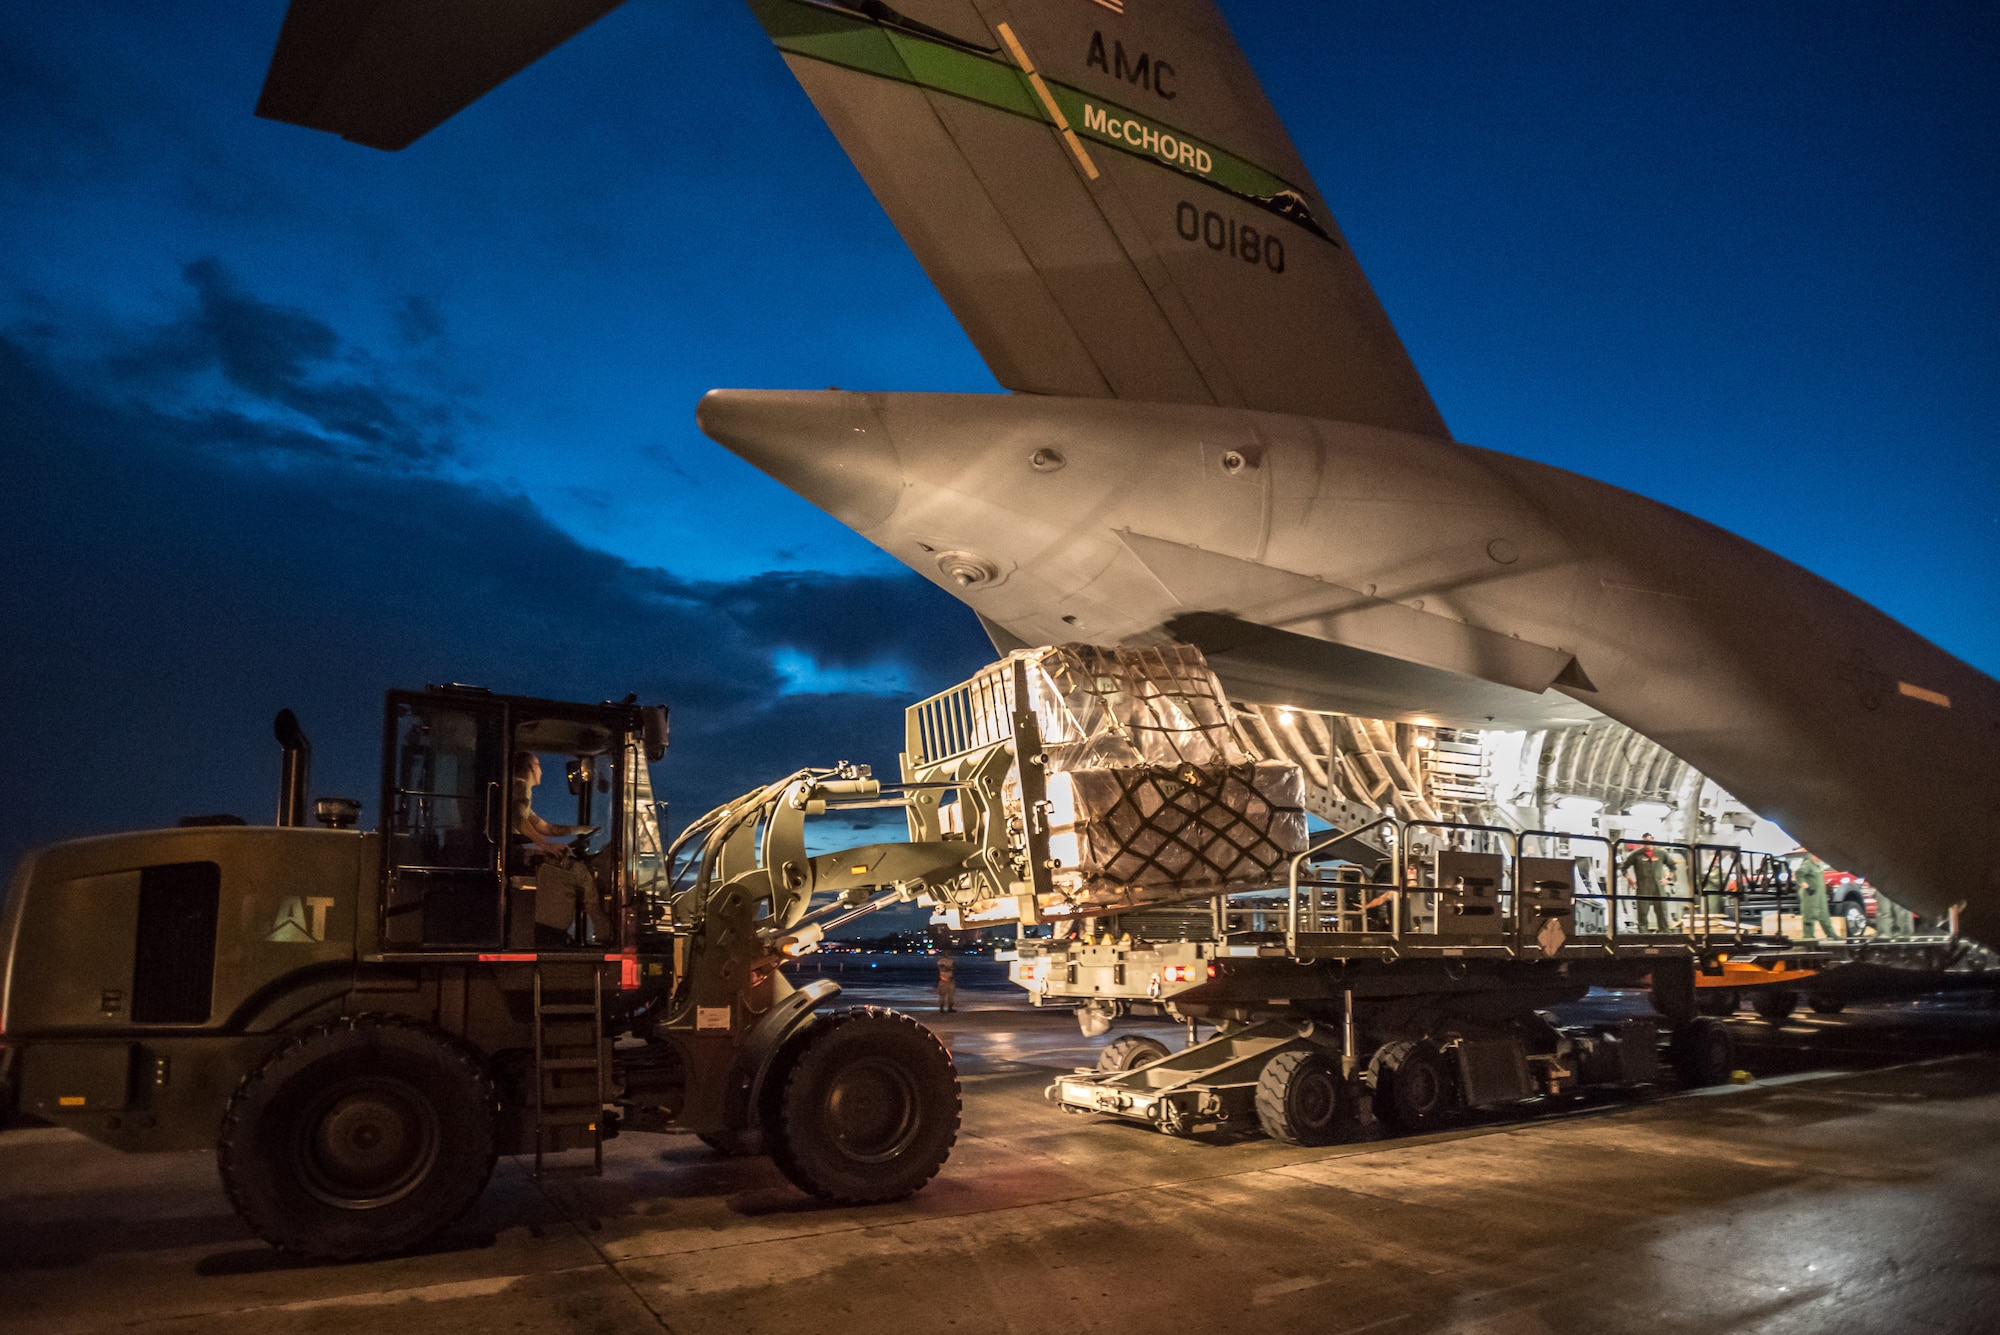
[{"x": 386, "y": 72}]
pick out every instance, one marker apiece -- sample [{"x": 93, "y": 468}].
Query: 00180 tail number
[{"x": 1218, "y": 233}]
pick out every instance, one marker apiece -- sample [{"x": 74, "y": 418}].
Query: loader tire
[
  {"x": 359, "y": 1138},
  {"x": 1423, "y": 1092},
  {"x": 1702, "y": 1053},
  {"x": 1719, "y": 1001},
  {"x": 1302, "y": 1100},
  {"x": 869, "y": 1111},
  {"x": 1775, "y": 1004},
  {"x": 1825, "y": 1005},
  {"x": 1672, "y": 990},
  {"x": 1125, "y": 1053}
]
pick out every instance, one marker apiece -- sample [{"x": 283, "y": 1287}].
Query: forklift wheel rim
[
  {"x": 873, "y": 1110},
  {"x": 367, "y": 1142}
]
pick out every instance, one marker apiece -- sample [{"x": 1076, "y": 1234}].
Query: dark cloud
[
  {"x": 851, "y": 622},
  {"x": 163, "y": 603},
  {"x": 288, "y": 381}
]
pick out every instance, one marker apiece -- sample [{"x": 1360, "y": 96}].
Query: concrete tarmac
[{"x": 1855, "y": 1188}]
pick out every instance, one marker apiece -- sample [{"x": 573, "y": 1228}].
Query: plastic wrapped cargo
[{"x": 1152, "y": 796}]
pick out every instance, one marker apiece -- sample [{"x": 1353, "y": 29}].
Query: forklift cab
[{"x": 465, "y": 821}]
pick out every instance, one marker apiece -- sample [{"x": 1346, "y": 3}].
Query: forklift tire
[
  {"x": 869, "y": 1111},
  {"x": 1132, "y": 1050},
  {"x": 1775, "y": 1004},
  {"x": 1422, "y": 1095},
  {"x": 1301, "y": 1100},
  {"x": 359, "y": 1138},
  {"x": 1702, "y": 1053},
  {"x": 1823, "y": 1005}
]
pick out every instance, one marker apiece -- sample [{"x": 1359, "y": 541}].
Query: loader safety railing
[
  {"x": 1612, "y": 891},
  {"x": 1353, "y": 900},
  {"x": 969, "y": 717},
  {"x": 977, "y": 714}
]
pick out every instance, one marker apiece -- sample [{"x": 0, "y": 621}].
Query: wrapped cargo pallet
[{"x": 1151, "y": 796}]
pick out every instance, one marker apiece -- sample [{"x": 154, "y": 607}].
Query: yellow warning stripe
[{"x": 1048, "y": 100}]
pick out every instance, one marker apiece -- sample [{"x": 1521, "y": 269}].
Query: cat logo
[{"x": 301, "y": 918}]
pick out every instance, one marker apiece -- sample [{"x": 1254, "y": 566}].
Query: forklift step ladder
[{"x": 562, "y": 1099}]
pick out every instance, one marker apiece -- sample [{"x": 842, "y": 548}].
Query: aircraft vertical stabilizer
[{"x": 1106, "y": 200}]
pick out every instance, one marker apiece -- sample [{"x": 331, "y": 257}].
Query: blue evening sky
[{"x": 290, "y": 420}]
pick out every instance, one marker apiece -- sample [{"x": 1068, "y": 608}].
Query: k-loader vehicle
[
  {"x": 360, "y": 1022},
  {"x": 1406, "y": 967}
]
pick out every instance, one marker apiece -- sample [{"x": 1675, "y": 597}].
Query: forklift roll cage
[{"x": 453, "y": 876}]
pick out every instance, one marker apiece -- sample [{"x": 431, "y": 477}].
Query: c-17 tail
[{"x": 1107, "y": 201}]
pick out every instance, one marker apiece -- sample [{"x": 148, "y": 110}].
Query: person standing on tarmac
[
  {"x": 947, "y": 983},
  {"x": 1811, "y": 877},
  {"x": 1650, "y": 871}
]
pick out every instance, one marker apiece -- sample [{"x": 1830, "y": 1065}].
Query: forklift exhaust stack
[{"x": 296, "y": 775}]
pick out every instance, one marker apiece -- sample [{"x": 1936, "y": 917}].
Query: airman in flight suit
[
  {"x": 1651, "y": 873},
  {"x": 1811, "y": 878}
]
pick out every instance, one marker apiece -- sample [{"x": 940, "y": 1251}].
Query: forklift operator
[
  {"x": 567, "y": 898},
  {"x": 541, "y": 835}
]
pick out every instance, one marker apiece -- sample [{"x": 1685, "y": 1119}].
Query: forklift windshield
[{"x": 563, "y": 786}]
